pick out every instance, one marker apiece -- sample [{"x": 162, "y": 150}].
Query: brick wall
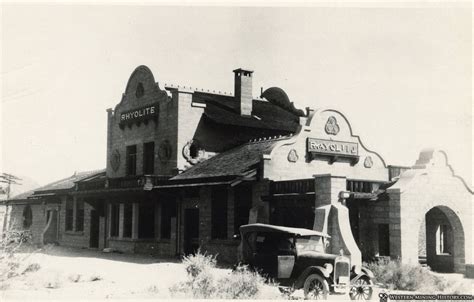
[
  {"x": 74, "y": 238},
  {"x": 164, "y": 129},
  {"x": 372, "y": 214}
]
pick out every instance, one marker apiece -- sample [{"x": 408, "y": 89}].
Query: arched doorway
[{"x": 441, "y": 240}]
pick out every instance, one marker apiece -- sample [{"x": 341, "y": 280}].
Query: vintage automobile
[{"x": 296, "y": 258}]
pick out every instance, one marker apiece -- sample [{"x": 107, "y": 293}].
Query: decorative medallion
[
  {"x": 115, "y": 160},
  {"x": 164, "y": 151},
  {"x": 331, "y": 126},
  {"x": 368, "y": 162},
  {"x": 192, "y": 152},
  {"x": 292, "y": 156}
]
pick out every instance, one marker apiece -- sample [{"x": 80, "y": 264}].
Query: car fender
[
  {"x": 311, "y": 270},
  {"x": 368, "y": 272},
  {"x": 364, "y": 272}
]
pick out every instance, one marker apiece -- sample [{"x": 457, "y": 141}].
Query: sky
[{"x": 402, "y": 75}]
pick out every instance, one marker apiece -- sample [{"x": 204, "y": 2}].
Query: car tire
[
  {"x": 361, "y": 289},
  {"x": 315, "y": 288}
]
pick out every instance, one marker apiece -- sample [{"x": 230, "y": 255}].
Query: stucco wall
[
  {"x": 277, "y": 165},
  {"x": 432, "y": 184}
]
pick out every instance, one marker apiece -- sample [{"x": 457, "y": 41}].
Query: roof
[
  {"x": 256, "y": 227},
  {"x": 60, "y": 185},
  {"x": 265, "y": 115},
  {"x": 234, "y": 162},
  {"x": 23, "y": 195},
  {"x": 68, "y": 182}
]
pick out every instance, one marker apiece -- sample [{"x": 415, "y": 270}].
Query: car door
[{"x": 266, "y": 255}]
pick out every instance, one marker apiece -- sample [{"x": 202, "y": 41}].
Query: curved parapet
[
  {"x": 325, "y": 144},
  {"x": 141, "y": 89},
  {"x": 430, "y": 162}
]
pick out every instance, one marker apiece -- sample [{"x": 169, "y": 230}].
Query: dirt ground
[{"x": 81, "y": 274}]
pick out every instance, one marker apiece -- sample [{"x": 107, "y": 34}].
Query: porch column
[
  {"x": 135, "y": 220},
  {"x": 332, "y": 216},
  {"x": 158, "y": 220},
  {"x": 109, "y": 215},
  {"x": 121, "y": 218},
  {"x": 230, "y": 213},
  {"x": 205, "y": 208}
]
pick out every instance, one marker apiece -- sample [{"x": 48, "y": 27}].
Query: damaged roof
[
  {"x": 234, "y": 162},
  {"x": 265, "y": 115}
]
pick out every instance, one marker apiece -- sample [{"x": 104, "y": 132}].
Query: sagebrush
[
  {"x": 203, "y": 282},
  {"x": 13, "y": 263},
  {"x": 396, "y": 275}
]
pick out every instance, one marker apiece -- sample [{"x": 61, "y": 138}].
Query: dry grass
[
  {"x": 204, "y": 281},
  {"x": 409, "y": 277}
]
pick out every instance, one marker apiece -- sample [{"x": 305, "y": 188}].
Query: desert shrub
[
  {"x": 240, "y": 284},
  {"x": 95, "y": 277},
  {"x": 12, "y": 262},
  {"x": 199, "y": 263},
  {"x": 412, "y": 277},
  {"x": 153, "y": 289},
  {"x": 31, "y": 268},
  {"x": 203, "y": 281}
]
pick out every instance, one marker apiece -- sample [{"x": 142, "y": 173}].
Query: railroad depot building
[{"x": 186, "y": 167}]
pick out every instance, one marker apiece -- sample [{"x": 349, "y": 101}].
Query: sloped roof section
[
  {"x": 234, "y": 162},
  {"x": 24, "y": 195},
  {"x": 265, "y": 115},
  {"x": 68, "y": 182}
]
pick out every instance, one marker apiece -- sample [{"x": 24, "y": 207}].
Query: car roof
[{"x": 261, "y": 227}]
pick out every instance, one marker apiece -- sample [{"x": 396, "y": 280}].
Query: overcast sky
[{"x": 401, "y": 75}]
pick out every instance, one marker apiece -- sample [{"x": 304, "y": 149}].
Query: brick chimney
[{"x": 243, "y": 90}]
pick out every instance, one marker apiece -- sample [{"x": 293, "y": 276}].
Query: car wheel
[
  {"x": 361, "y": 289},
  {"x": 315, "y": 287}
]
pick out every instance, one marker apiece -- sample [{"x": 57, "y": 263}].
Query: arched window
[
  {"x": 140, "y": 90},
  {"x": 27, "y": 217}
]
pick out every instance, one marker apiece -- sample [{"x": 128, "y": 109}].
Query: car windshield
[{"x": 310, "y": 243}]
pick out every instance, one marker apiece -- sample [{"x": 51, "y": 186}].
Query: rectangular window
[
  {"x": 384, "y": 240},
  {"x": 79, "y": 215},
  {"x": 114, "y": 220},
  {"x": 168, "y": 211},
  {"x": 146, "y": 221},
  {"x": 219, "y": 213},
  {"x": 242, "y": 205},
  {"x": 127, "y": 220},
  {"x": 69, "y": 214},
  {"x": 442, "y": 245},
  {"x": 149, "y": 158},
  {"x": 131, "y": 160}
]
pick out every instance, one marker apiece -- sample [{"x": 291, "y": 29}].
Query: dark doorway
[
  {"x": 191, "y": 231},
  {"x": 297, "y": 211},
  {"x": 146, "y": 221},
  {"x": 443, "y": 240},
  {"x": 94, "y": 233},
  {"x": 354, "y": 215}
]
